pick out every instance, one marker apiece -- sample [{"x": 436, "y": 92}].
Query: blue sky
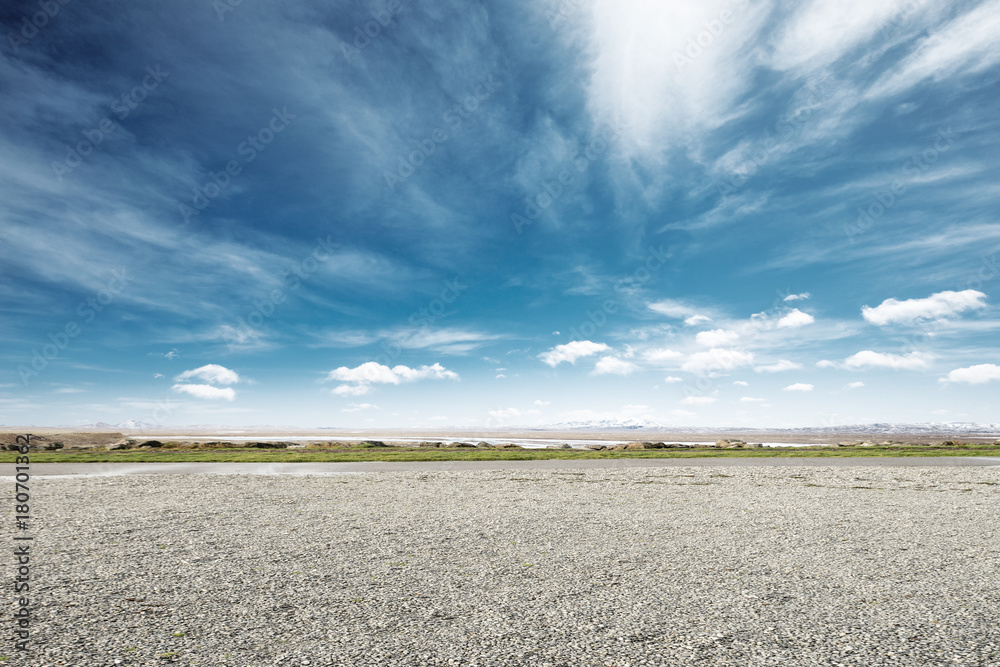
[{"x": 376, "y": 214}]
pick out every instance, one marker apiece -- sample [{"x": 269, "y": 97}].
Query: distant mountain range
[
  {"x": 929, "y": 428},
  {"x": 937, "y": 428}
]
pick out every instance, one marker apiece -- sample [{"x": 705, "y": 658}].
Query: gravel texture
[{"x": 638, "y": 566}]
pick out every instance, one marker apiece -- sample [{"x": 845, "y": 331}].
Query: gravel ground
[{"x": 636, "y": 566}]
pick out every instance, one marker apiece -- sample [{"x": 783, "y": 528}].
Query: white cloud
[
  {"x": 716, "y": 337},
  {"x": 797, "y": 297},
  {"x": 868, "y": 358},
  {"x": 854, "y": 385},
  {"x": 571, "y": 352},
  {"x": 352, "y": 389},
  {"x": 741, "y": 383},
  {"x": 499, "y": 375},
  {"x": 936, "y": 306},
  {"x": 206, "y": 391},
  {"x": 978, "y": 374},
  {"x": 717, "y": 359},
  {"x": 796, "y": 318},
  {"x": 695, "y": 320},
  {"x": 670, "y": 379},
  {"x": 69, "y": 390},
  {"x": 782, "y": 365},
  {"x": 505, "y": 414},
  {"x": 211, "y": 373},
  {"x": 540, "y": 403},
  {"x": 614, "y": 366},
  {"x": 798, "y": 386},
  {"x": 964, "y": 46},
  {"x": 358, "y": 407},
  {"x": 826, "y": 363},
  {"x": 674, "y": 309},
  {"x": 661, "y": 354},
  {"x": 372, "y": 372},
  {"x": 698, "y": 400},
  {"x": 748, "y": 399}
]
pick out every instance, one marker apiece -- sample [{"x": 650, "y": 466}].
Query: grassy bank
[{"x": 430, "y": 454}]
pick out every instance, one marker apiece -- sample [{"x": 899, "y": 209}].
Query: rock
[
  {"x": 509, "y": 446},
  {"x": 430, "y": 444},
  {"x": 730, "y": 443},
  {"x": 461, "y": 444},
  {"x": 369, "y": 444},
  {"x": 484, "y": 445},
  {"x": 595, "y": 447},
  {"x": 152, "y": 443},
  {"x": 266, "y": 445},
  {"x": 120, "y": 445},
  {"x": 565, "y": 446}
]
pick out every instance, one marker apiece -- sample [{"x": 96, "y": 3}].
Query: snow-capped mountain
[
  {"x": 128, "y": 424},
  {"x": 930, "y": 428}
]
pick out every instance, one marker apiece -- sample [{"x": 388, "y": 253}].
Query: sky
[{"x": 477, "y": 214}]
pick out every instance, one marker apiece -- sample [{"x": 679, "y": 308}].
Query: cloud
[
  {"x": 741, "y": 383},
  {"x": 614, "y": 366},
  {"x": 796, "y": 318},
  {"x": 797, "y": 297},
  {"x": 698, "y": 400},
  {"x": 979, "y": 374},
  {"x": 372, "y": 372},
  {"x": 748, "y": 399},
  {"x": 69, "y": 390},
  {"x": 358, "y": 407},
  {"x": 211, "y": 373},
  {"x": 661, "y": 354},
  {"x": 541, "y": 403},
  {"x": 670, "y": 379},
  {"x": 505, "y": 414},
  {"x": 206, "y": 391},
  {"x": 674, "y": 309},
  {"x": 827, "y": 363},
  {"x": 352, "y": 389},
  {"x": 868, "y": 358},
  {"x": 782, "y": 365},
  {"x": 937, "y": 306},
  {"x": 571, "y": 352},
  {"x": 214, "y": 374},
  {"x": 854, "y": 385},
  {"x": 717, "y": 359},
  {"x": 696, "y": 320},
  {"x": 798, "y": 386},
  {"x": 965, "y": 45},
  {"x": 716, "y": 337}
]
